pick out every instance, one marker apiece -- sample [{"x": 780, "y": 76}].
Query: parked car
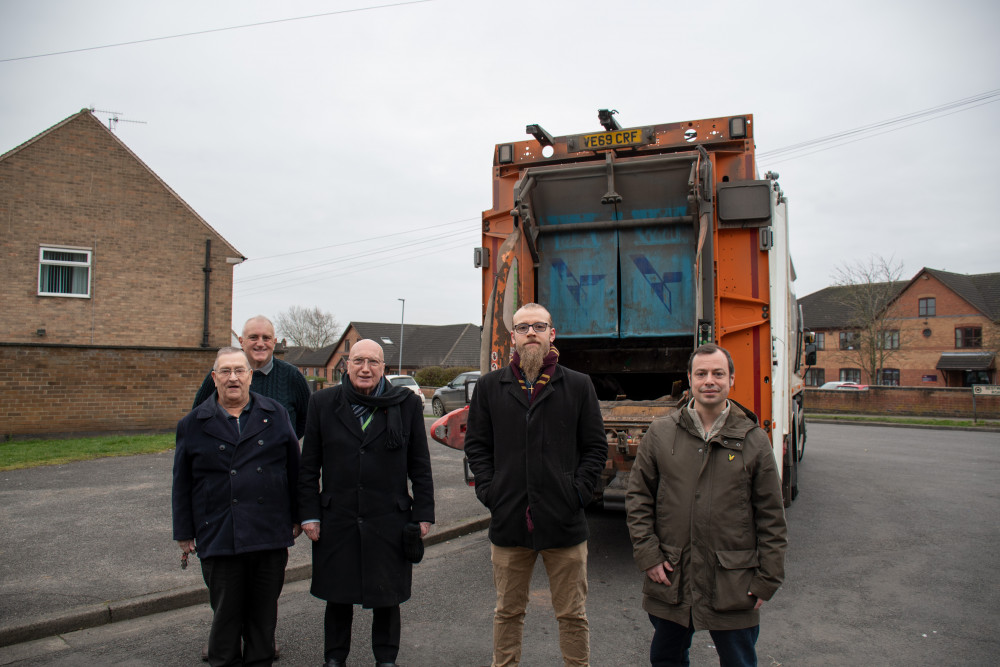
[
  {"x": 409, "y": 383},
  {"x": 850, "y": 386},
  {"x": 452, "y": 395}
]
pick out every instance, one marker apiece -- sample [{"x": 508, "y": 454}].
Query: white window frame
[{"x": 42, "y": 263}]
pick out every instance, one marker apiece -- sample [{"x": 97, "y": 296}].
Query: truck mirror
[
  {"x": 811, "y": 354},
  {"x": 470, "y": 387}
]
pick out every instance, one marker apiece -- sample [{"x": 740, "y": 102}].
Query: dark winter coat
[
  {"x": 548, "y": 456},
  {"x": 714, "y": 512},
  {"x": 235, "y": 494},
  {"x": 363, "y": 502}
]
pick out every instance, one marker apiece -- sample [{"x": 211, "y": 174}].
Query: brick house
[
  {"x": 115, "y": 292},
  {"x": 944, "y": 332},
  {"x": 311, "y": 363},
  {"x": 448, "y": 346}
]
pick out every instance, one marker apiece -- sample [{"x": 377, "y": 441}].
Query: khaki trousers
[{"x": 567, "y": 572}]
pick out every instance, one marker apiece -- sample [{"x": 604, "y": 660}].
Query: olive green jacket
[{"x": 713, "y": 510}]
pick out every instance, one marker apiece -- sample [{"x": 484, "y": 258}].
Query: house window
[
  {"x": 849, "y": 340},
  {"x": 968, "y": 337},
  {"x": 890, "y": 340},
  {"x": 815, "y": 377},
  {"x": 820, "y": 340},
  {"x": 850, "y": 375},
  {"x": 927, "y": 307},
  {"x": 970, "y": 378},
  {"x": 888, "y": 377},
  {"x": 64, "y": 272}
]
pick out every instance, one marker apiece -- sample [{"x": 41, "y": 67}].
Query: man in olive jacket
[
  {"x": 536, "y": 445},
  {"x": 706, "y": 519}
]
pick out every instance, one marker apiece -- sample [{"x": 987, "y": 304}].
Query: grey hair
[
  {"x": 229, "y": 350},
  {"x": 257, "y": 318}
]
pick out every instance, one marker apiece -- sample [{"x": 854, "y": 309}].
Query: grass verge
[
  {"x": 30, "y": 453},
  {"x": 918, "y": 421}
]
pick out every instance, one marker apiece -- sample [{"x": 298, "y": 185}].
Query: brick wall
[
  {"x": 903, "y": 401},
  {"x": 59, "y": 389},
  {"x": 78, "y": 186}
]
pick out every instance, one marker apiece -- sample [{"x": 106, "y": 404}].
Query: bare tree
[
  {"x": 873, "y": 335},
  {"x": 308, "y": 327}
]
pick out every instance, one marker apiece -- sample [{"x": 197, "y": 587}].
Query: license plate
[{"x": 616, "y": 139}]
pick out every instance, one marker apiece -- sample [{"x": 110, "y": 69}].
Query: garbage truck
[{"x": 643, "y": 243}]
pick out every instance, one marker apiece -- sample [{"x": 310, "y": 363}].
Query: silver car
[{"x": 409, "y": 383}]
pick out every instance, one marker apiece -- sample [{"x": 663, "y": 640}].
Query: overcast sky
[{"x": 348, "y": 156}]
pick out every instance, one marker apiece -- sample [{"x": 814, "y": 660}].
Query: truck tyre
[
  {"x": 438, "y": 407},
  {"x": 795, "y": 478},
  {"x": 798, "y": 431},
  {"x": 802, "y": 434}
]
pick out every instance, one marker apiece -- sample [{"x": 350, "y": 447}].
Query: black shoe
[
  {"x": 333, "y": 662},
  {"x": 386, "y": 664}
]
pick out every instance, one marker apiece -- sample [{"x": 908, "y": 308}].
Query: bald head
[{"x": 366, "y": 365}]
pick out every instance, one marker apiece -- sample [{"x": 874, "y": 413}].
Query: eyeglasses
[
  {"x": 539, "y": 327},
  {"x": 358, "y": 362},
  {"x": 224, "y": 373}
]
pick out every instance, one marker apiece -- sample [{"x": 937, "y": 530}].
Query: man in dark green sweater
[{"x": 272, "y": 377}]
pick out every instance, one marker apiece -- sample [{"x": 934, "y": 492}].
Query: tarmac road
[
  {"x": 86, "y": 540},
  {"x": 892, "y": 561}
]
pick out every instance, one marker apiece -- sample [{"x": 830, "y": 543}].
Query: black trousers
[
  {"x": 243, "y": 591},
  {"x": 337, "y": 632}
]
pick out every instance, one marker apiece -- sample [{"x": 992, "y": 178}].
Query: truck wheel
[
  {"x": 795, "y": 478},
  {"x": 802, "y": 435},
  {"x": 438, "y": 407}
]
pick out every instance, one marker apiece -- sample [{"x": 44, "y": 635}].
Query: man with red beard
[{"x": 536, "y": 445}]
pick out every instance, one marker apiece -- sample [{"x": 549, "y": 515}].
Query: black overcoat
[
  {"x": 357, "y": 488},
  {"x": 235, "y": 494},
  {"x": 547, "y": 455}
]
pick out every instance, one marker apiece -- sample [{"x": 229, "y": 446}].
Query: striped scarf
[
  {"x": 362, "y": 412},
  {"x": 384, "y": 397},
  {"x": 548, "y": 367}
]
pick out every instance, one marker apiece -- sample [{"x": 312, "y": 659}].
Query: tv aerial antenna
[{"x": 115, "y": 117}]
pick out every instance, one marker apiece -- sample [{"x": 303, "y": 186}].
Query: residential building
[
  {"x": 942, "y": 330},
  {"x": 423, "y": 345},
  {"x": 115, "y": 292}
]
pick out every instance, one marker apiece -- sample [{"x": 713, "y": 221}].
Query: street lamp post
[{"x": 402, "y": 318}]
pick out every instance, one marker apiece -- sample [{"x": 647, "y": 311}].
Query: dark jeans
[
  {"x": 337, "y": 632},
  {"x": 671, "y": 642},
  {"x": 243, "y": 591}
]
